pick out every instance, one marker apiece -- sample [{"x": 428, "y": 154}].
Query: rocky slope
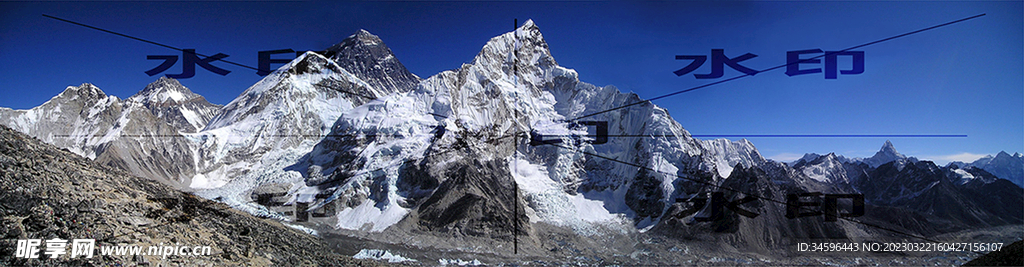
[{"x": 50, "y": 193}]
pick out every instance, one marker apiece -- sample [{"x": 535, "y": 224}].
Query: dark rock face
[
  {"x": 756, "y": 220},
  {"x": 928, "y": 189},
  {"x": 645, "y": 196},
  {"x": 48, "y": 193},
  {"x": 475, "y": 199}
]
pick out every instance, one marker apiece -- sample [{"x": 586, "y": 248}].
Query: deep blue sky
[{"x": 966, "y": 78}]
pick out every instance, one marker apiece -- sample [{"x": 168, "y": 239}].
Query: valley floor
[{"x": 560, "y": 246}]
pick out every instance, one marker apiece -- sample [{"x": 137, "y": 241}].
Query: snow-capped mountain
[
  {"x": 971, "y": 174},
  {"x": 443, "y": 156},
  {"x": 366, "y": 56},
  {"x": 280, "y": 118},
  {"x": 142, "y": 134},
  {"x": 80, "y": 119},
  {"x": 168, "y": 100},
  {"x": 152, "y": 133},
  {"x": 1003, "y": 165},
  {"x": 887, "y": 154},
  {"x": 884, "y": 155},
  {"x": 353, "y": 136},
  {"x": 959, "y": 197},
  {"x": 729, "y": 153},
  {"x": 826, "y": 169},
  {"x": 928, "y": 189},
  {"x": 393, "y": 159}
]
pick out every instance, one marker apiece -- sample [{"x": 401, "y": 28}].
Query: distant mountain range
[
  {"x": 362, "y": 144},
  {"x": 142, "y": 134},
  {"x": 1003, "y": 165}
]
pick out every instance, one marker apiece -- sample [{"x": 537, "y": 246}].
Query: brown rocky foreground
[{"x": 47, "y": 193}]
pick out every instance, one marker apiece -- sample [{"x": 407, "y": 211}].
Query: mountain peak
[
  {"x": 529, "y": 30},
  {"x": 84, "y": 93},
  {"x": 885, "y": 155},
  {"x": 528, "y": 25},
  {"x": 85, "y": 89},
  {"x": 366, "y": 56},
  {"x": 808, "y": 157},
  {"x": 164, "y": 90},
  {"x": 363, "y": 37},
  {"x": 525, "y": 43},
  {"x": 312, "y": 62},
  {"x": 360, "y": 38},
  {"x": 888, "y": 148}
]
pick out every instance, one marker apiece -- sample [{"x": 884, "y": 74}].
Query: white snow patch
[
  {"x": 303, "y": 229},
  {"x": 370, "y": 216},
  {"x": 591, "y": 210},
  {"x": 176, "y": 96},
  {"x": 377, "y": 254},
  {"x": 964, "y": 176},
  {"x": 459, "y": 262},
  {"x": 192, "y": 118},
  {"x": 199, "y": 181},
  {"x": 530, "y": 177},
  {"x": 552, "y": 204}
]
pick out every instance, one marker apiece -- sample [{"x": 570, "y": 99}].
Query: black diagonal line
[
  {"x": 179, "y": 49},
  {"x": 677, "y": 175},
  {"x": 778, "y": 67},
  {"x": 672, "y": 174},
  {"x": 262, "y": 135},
  {"x": 143, "y": 40},
  {"x": 739, "y": 191},
  {"x": 890, "y": 230}
]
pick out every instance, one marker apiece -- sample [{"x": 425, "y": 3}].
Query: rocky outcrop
[{"x": 50, "y": 193}]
